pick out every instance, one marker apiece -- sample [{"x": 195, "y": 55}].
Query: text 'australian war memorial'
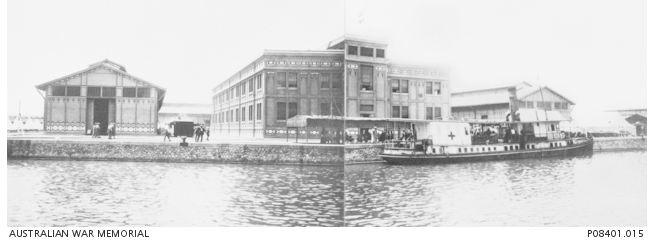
[{"x": 343, "y": 92}]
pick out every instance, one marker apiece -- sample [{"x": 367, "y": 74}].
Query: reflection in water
[
  {"x": 80, "y": 193},
  {"x": 607, "y": 189}
]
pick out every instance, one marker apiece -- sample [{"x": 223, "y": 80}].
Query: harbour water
[
  {"x": 91, "y": 193},
  {"x": 606, "y": 189}
]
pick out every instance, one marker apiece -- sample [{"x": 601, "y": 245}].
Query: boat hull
[{"x": 585, "y": 148}]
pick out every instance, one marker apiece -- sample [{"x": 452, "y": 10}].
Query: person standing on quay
[
  {"x": 96, "y": 130},
  {"x": 208, "y": 133},
  {"x": 168, "y": 133},
  {"x": 111, "y": 130}
]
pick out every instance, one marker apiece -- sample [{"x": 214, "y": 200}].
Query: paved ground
[{"x": 156, "y": 139}]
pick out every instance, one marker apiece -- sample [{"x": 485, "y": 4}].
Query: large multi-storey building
[{"x": 352, "y": 78}]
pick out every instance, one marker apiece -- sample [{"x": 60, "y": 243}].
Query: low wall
[
  {"x": 172, "y": 152},
  {"x": 619, "y": 143},
  {"x": 363, "y": 153}
]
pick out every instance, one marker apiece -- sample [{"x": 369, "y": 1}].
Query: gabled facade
[
  {"x": 494, "y": 104},
  {"x": 103, "y": 93}
]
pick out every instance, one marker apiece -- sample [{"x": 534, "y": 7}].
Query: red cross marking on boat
[{"x": 451, "y": 135}]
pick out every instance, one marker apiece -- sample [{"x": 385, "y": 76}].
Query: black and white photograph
[{"x": 127, "y": 118}]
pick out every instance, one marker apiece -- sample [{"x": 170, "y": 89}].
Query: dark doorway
[{"x": 101, "y": 114}]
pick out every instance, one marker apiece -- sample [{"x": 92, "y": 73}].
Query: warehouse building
[
  {"x": 102, "y": 93},
  {"x": 495, "y": 104}
]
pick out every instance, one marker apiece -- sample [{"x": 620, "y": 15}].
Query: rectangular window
[
  {"x": 259, "y": 82},
  {"x": 281, "y": 108},
  {"x": 232, "y": 115},
  {"x": 429, "y": 87},
  {"x": 237, "y": 115},
  {"x": 251, "y": 112},
  {"x": 352, "y": 50},
  {"x": 325, "y": 109},
  {"x": 366, "y": 107},
  {"x": 292, "y": 109},
  {"x": 484, "y": 117},
  {"x": 405, "y": 112},
  {"x": 396, "y": 111},
  {"x": 437, "y": 88},
  {"x": 529, "y": 104},
  {"x": 269, "y": 79},
  {"x": 244, "y": 114},
  {"x": 94, "y": 91},
  {"x": 557, "y": 105},
  {"x": 129, "y": 92},
  {"x": 338, "y": 109},
  {"x": 59, "y": 91},
  {"x": 564, "y": 105},
  {"x": 405, "y": 87},
  {"x": 337, "y": 80},
  {"x": 380, "y": 53},
  {"x": 366, "y": 83},
  {"x": 251, "y": 85},
  {"x": 259, "y": 111},
  {"x": 366, "y": 51},
  {"x": 292, "y": 80},
  {"x": 325, "y": 82},
  {"x": 395, "y": 86},
  {"x": 429, "y": 113},
  {"x": 438, "y": 113},
  {"x": 143, "y": 92},
  {"x": 280, "y": 79},
  {"x": 108, "y": 92},
  {"x": 73, "y": 91}
]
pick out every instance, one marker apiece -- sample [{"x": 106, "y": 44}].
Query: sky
[{"x": 591, "y": 51}]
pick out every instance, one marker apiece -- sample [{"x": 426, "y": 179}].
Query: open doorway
[{"x": 101, "y": 114}]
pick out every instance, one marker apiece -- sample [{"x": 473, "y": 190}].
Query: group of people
[
  {"x": 200, "y": 131},
  {"x": 96, "y": 129},
  {"x": 330, "y": 136},
  {"x": 377, "y": 135}
]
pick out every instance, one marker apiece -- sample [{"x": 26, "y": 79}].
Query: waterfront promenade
[
  {"x": 153, "y": 148},
  {"x": 159, "y": 139}
]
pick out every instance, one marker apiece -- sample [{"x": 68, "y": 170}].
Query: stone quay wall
[
  {"x": 619, "y": 143},
  {"x": 363, "y": 153},
  {"x": 172, "y": 152}
]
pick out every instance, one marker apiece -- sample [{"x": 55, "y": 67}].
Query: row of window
[
  {"x": 286, "y": 110},
  {"x": 365, "y": 51},
  {"x": 241, "y": 114},
  {"x": 403, "y": 86},
  {"x": 432, "y": 113},
  {"x": 543, "y": 105},
  {"x": 291, "y": 79},
  {"x": 366, "y": 80},
  {"x": 130, "y": 92},
  {"x": 241, "y": 88}
]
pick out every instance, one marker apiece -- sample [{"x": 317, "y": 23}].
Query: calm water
[
  {"x": 65, "y": 193},
  {"x": 607, "y": 189}
]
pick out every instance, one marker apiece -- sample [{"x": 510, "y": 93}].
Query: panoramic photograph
[{"x": 346, "y": 113}]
